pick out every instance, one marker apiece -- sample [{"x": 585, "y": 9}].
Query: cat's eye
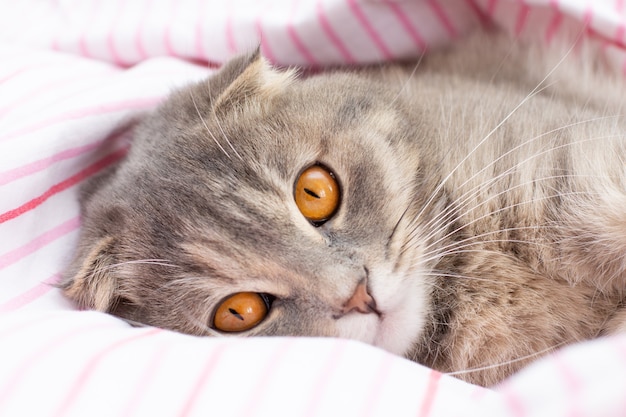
[
  {"x": 241, "y": 311},
  {"x": 317, "y": 193}
]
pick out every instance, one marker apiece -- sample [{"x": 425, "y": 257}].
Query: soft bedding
[{"x": 74, "y": 78}]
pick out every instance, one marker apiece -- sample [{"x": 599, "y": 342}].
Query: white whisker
[
  {"x": 512, "y": 361},
  {"x": 193, "y": 99}
]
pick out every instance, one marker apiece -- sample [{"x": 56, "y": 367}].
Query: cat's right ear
[
  {"x": 249, "y": 76},
  {"x": 90, "y": 282}
]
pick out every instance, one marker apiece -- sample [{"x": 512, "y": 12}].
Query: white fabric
[{"x": 74, "y": 74}]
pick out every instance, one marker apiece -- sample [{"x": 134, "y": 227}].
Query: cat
[{"x": 467, "y": 212}]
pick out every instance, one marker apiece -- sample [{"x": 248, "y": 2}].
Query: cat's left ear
[
  {"x": 90, "y": 282},
  {"x": 256, "y": 79}
]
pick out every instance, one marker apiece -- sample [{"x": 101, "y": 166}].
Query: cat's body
[{"x": 482, "y": 218}]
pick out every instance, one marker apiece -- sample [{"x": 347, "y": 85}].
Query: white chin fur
[{"x": 404, "y": 310}]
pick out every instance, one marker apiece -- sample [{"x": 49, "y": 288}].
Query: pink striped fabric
[{"x": 74, "y": 77}]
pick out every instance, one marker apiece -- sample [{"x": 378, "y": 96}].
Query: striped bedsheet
[{"x": 75, "y": 75}]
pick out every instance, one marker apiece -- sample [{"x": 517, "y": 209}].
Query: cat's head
[{"x": 263, "y": 203}]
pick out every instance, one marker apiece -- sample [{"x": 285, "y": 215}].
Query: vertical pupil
[
  {"x": 311, "y": 193},
  {"x": 236, "y": 313}
]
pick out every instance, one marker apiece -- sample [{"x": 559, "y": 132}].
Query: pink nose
[{"x": 361, "y": 301}]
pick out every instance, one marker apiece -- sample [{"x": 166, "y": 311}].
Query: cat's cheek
[{"x": 405, "y": 308}]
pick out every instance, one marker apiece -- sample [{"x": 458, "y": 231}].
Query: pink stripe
[
  {"x": 330, "y": 33},
  {"x": 207, "y": 370},
  {"x": 37, "y": 166},
  {"x": 90, "y": 368},
  {"x": 63, "y": 185},
  {"x": 295, "y": 38},
  {"x": 266, "y": 377},
  {"x": 484, "y": 19},
  {"x": 24, "y": 325},
  {"x": 143, "y": 54},
  {"x": 265, "y": 46},
  {"x": 167, "y": 31},
  {"x": 30, "y": 362},
  {"x": 30, "y": 295},
  {"x": 571, "y": 383},
  {"x": 326, "y": 374},
  {"x": 139, "y": 103},
  {"x": 369, "y": 29},
  {"x": 619, "y": 34},
  {"x": 491, "y": 7},
  {"x": 146, "y": 379},
  {"x": 199, "y": 34},
  {"x": 57, "y": 84},
  {"x": 588, "y": 16},
  {"x": 430, "y": 394},
  {"x": 230, "y": 34},
  {"x": 115, "y": 55},
  {"x": 39, "y": 242},
  {"x": 443, "y": 18},
  {"x": 619, "y": 6},
  {"x": 515, "y": 404},
  {"x": 88, "y": 20},
  {"x": 522, "y": 18},
  {"x": 410, "y": 28},
  {"x": 380, "y": 381},
  {"x": 553, "y": 26}
]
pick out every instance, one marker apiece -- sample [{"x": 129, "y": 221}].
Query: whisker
[
  {"x": 512, "y": 361},
  {"x": 409, "y": 78},
  {"x": 445, "y": 215},
  {"x": 509, "y": 229},
  {"x": 538, "y": 88},
  {"x": 193, "y": 99},
  {"x": 547, "y": 197},
  {"x": 160, "y": 262},
  {"x": 525, "y": 143}
]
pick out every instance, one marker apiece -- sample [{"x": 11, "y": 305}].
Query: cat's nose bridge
[{"x": 361, "y": 301}]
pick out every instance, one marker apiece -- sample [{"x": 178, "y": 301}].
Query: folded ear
[
  {"x": 252, "y": 76},
  {"x": 91, "y": 283}
]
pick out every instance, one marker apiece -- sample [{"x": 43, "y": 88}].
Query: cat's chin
[{"x": 400, "y": 324}]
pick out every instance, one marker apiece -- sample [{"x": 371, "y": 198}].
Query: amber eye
[
  {"x": 317, "y": 193},
  {"x": 241, "y": 312}
]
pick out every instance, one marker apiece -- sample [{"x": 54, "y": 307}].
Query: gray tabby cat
[{"x": 469, "y": 215}]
